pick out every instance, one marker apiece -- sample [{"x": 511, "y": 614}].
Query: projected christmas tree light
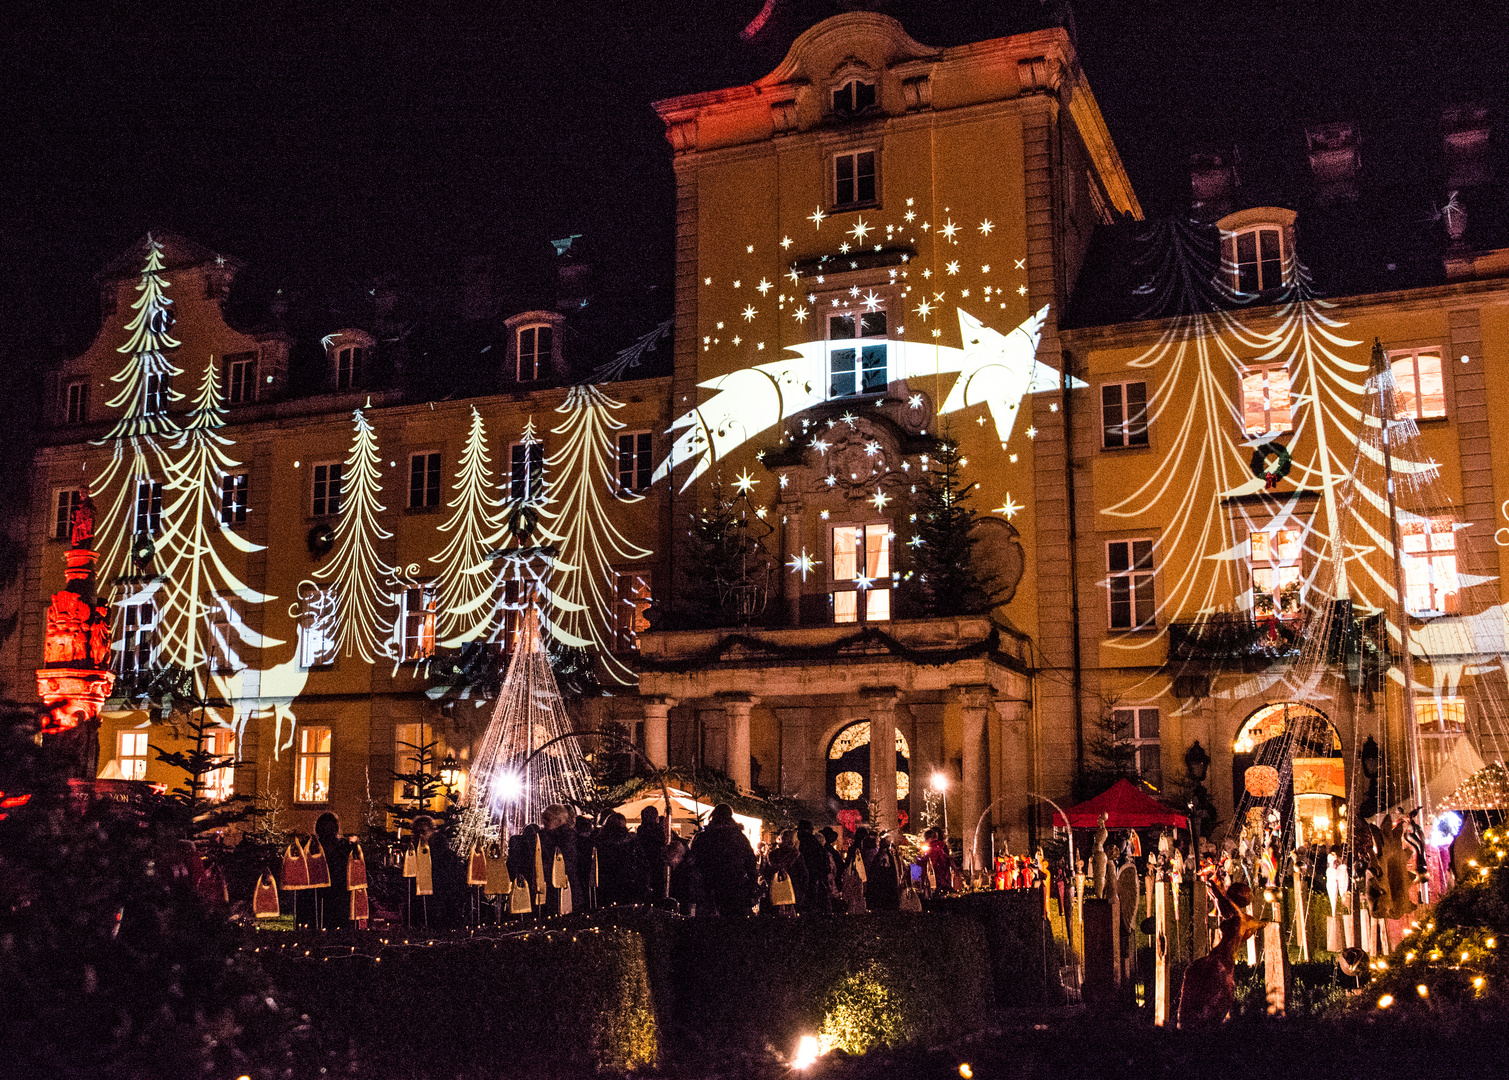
[{"x": 466, "y": 582}]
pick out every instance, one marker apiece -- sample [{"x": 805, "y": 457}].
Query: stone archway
[
  {"x": 848, "y": 769},
  {"x": 1300, "y": 743}
]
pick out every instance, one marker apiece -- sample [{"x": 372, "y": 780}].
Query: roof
[{"x": 1126, "y": 806}]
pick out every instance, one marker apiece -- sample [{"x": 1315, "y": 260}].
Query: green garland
[
  {"x": 1259, "y": 463},
  {"x": 869, "y": 635}
]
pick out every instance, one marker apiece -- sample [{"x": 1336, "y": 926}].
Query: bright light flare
[
  {"x": 939, "y": 782},
  {"x": 509, "y": 787},
  {"x": 807, "y": 1052}
]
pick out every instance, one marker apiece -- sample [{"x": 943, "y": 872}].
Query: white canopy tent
[{"x": 685, "y": 812}]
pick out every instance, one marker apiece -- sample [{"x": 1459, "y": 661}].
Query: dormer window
[
  {"x": 1254, "y": 249},
  {"x": 534, "y": 351},
  {"x": 854, "y": 96},
  {"x": 350, "y": 353}
]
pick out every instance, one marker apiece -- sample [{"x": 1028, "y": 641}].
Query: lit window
[
  {"x": 1430, "y": 565},
  {"x": 854, "y": 178},
  {"x": 634, "y": 465},
  {"x": 1139, "y": 728},
  {"x": 854, "y": 365},
  {"x": 424, "y": 480},
  {"x": 233, "y": 495},
  {"x": 240, "y": 378},
  {"x": 154, "y": 394},
  {"x": 861, "y": 573},
  {"x": 220, "y": 784},
  {"x": 854, "y": 96},
  {"x": 222, "y": 619},
  {"x": 148, "y": 517},
  {"x": 131, "y": 754},
  {"x": 418, "y": 622},
  {"x": 631, "y": 618},
  {"x": 534, "y": 351},
  {"x": 1129, "y": 582},
  {"x": 1256, "y": 258},
  {"x": 312, "y": 769},
  {"x": 1265, "y": 400},
  {"x": 67, "y": 501},
  {"x": 1123, "y": 414},
  {"x": 138, "y": 642},
  {"x": 318, "y": 625},
  {"x": 349, "y": 362},
  {"x": 76, "y": 396},
  {"x": 526, "y": 462},
  {"x": 1419, "y": 392},
  {"x": 1442, "y": 722},
  {"x": 327, "y": 489},
  {"x": 1276, "y": 577}
]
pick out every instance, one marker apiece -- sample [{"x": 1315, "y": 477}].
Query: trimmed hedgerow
[
  {"x": 549, "y": 1003},
  {"x": 1023, "y": 970}
]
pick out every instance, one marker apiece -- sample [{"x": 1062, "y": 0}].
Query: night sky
[{"x": 317, "y": 140}]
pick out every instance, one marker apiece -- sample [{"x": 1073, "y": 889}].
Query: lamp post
[
  {"x": 939, "y": 783},
  {"x": 1196, "y": 765}
]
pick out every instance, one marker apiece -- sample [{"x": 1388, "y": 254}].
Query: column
[
  {"x": 736, "y": 707},
  {"x": 881, "y": 703},
  {"x": 1015, "y": 748},
  {"x": 974, "y": 783},
  {"x": 657, "y": 729},
  {"x": 793, "y": 543}
]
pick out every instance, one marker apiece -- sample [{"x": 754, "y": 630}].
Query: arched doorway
[
  {"x": 1301, "y": 745},
  {"x": 849, "y": 769}
]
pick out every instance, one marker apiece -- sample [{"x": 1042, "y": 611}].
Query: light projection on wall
[{"x": 465, "y": 580}]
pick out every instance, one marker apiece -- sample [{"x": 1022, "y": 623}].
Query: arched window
[
  {"x": 1302, "y": 748},
  {"x": 849, "y": 767},
  {"x": 350, "y": 357},
  {"x": 1255, "y": 249}
]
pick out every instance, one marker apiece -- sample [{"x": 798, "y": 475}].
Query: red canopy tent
[{"x": 1125, "y": 806}]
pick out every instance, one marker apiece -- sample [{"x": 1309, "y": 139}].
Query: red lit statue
[{"x": 1210, "y": 987}]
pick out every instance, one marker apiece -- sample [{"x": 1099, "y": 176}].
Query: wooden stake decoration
[{"x": 1163, "y": 928}]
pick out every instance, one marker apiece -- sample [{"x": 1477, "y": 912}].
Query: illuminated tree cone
[
  {"x": 508, "y": 788},
  {"x": 466, "y": 578},
  {"x": 137, "y": 439},
  {"x": 577, "y": 519},
  {"x": 364, "y": 599}
]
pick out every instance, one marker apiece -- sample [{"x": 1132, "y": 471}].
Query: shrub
[{"x": 860, "y": 1012}]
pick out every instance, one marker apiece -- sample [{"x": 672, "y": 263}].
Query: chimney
[
  {"x": 1334, "y": 161},
  {"x": 1212, "y": 182},
  {"x": 1464, "y": 145}
]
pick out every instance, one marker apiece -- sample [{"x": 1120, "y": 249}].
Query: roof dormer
[
  {"x": 349, "y": 355},
  {"x": 1257, "y": 250},
  {"x": 853, "y": 90},
  {"x": 534, "y": 347}
]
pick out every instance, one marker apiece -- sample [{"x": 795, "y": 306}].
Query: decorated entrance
[
  {"x": 849, "y": 770},
  {"x": 1287, "y": 757}
]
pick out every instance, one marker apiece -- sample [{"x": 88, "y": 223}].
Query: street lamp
[
  {"x": 939, "y": 783},
  {"x": 1196, "y": 764}
]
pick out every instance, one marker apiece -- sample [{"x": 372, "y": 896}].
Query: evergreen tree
[
  {"x": 467, "y": 579},
  {"x": 362, "y": 581},
  {"x": 728, "y": 571},
  {"x": 1112, "y": 756},
  {"x": 943, "y": 541}
]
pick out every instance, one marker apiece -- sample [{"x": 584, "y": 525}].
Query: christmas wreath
[{"x": 1259, "y": 465}]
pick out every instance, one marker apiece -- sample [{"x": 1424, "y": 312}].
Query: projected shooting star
[{"x": 996, "y": 370}]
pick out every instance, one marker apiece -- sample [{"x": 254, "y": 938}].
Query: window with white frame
[
  {"x": 220, "y": 783},
  {"x": 854, "y": 179},
  {"x": 1123, "y": 414},
  {"x": 235, "y": 489},
  {"x": 861, "y": 586},
  {"x": 1129, "y": 584},
  {"x": 424, "y": 480},
  {"x": 1274, "y": 562},
  {"x": 318, "y": 625},
  {"x": 634, "y": 463},
  {"x": 1419, "y": 386},
  {"x": 148, "y": 517},
  {"x": 327, "y": 488},
  {"x": 240, "y": 378},
  {"x": 221, "y": 620},
  {"x": 347, "y": 366},
  {"x": 65, "y": 502},
  {"x": 534, "y": 344},
  {"x": 526, "y": 465},
  {"x": 138, "y": 640},
  {"x": 854, "y": 96},
  {"x": 857, "y": 351},
  {"x": 76, "y": 401},
  {"x": 1139, "y": 728},
  {"x": 1256, "y": 258},
  {"x": 417, "y": 621},
  {"x": 312, "y": 764},
  {"x": 154, "y": 394},
  {"x": 413, "y": 752},
  {"x": 1265, "y": 399},
  {"x": 631, "y": 617},
  {"x": 1430, "y": 565},
  {"x": 131, "y": 754},
  {"x": 1443, "y": 720}
]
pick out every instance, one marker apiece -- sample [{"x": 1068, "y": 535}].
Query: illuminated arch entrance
[
  {"x": 1302, "y": 748},
  {"x": 849, "y": 769}
]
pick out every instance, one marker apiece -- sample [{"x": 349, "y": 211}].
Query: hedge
[
  {"x": 1023, "y": 956},
  {"x": 552, "y": 1002}
]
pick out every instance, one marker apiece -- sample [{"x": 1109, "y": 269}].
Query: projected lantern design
[{"x": 1261, "y": 781}]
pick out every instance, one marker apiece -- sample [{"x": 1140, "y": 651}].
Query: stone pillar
[
  {"x": 657, "y": 743},
  {"x": 736, "y": 707},
  {"x": 974, "y": 781},
  {"x": 881, "y": 703},
  {"x": 792, "y": 538},
  {"x": 1014, "y": 805}
]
